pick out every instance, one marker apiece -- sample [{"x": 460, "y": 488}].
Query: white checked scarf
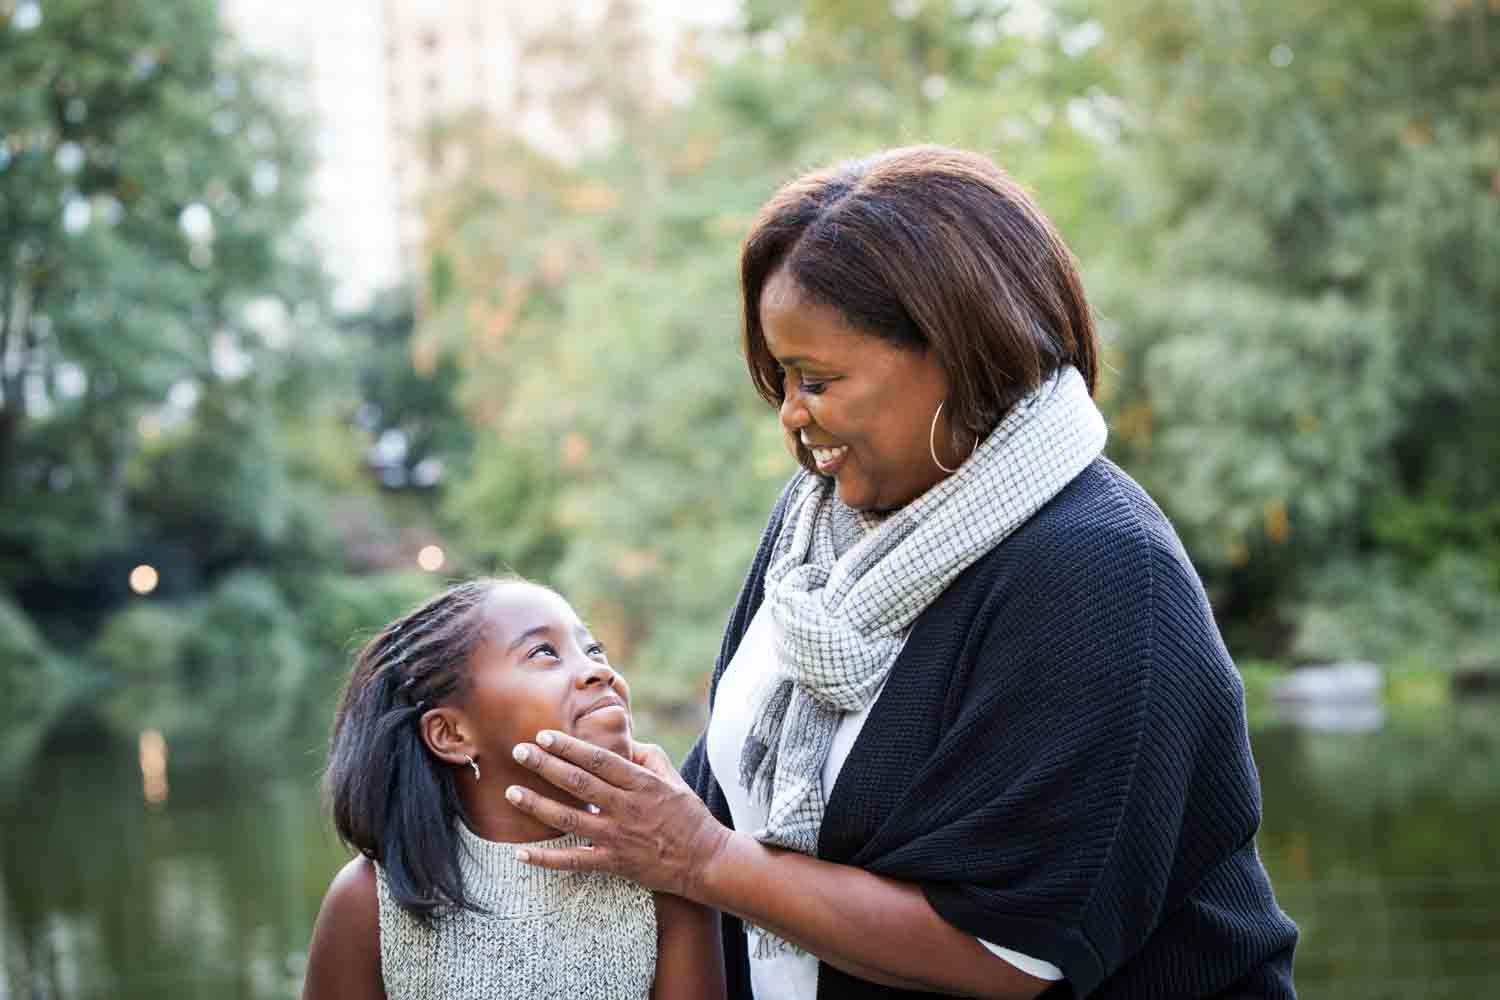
[{"x": 841, "y": 616}]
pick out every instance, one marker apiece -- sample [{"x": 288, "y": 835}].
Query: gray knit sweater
[{"x": 543, "y": 934}]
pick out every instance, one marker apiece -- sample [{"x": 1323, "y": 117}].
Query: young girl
[{"x": 436, "y": 903}]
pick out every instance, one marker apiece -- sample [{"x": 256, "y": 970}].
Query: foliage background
[{"x": 1288, "y": 216}]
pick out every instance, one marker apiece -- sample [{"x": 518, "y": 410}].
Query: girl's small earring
[{"x": 474, "y": 764}]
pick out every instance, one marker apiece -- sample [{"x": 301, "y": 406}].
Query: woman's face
[
  {"x": 859, "y": 405},
  {"x": 539, "y": 668}
]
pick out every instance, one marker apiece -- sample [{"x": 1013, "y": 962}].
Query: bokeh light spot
[
  {"x": 143, "y": 579},
  {"x": 153, "y": 754},
  {"x": 431, "y": 558}
]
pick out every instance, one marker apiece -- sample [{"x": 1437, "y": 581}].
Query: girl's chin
[{"x": 606, "y": 733}]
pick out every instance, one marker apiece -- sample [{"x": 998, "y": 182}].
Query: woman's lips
[{"x": 828, "y": 460}]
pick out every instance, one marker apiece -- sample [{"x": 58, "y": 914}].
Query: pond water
[{"x": 1381, "y": 845}]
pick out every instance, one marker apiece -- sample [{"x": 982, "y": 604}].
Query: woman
[{"x": 972, "y": 729}]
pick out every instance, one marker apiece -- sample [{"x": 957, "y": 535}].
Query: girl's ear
[{"x": 446, "y": 733}]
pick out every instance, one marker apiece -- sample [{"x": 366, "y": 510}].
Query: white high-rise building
[
  {"x": 335, "y": 53},
  {"x": 442, "y": 58},
  {"x": 376, "y": 74}
]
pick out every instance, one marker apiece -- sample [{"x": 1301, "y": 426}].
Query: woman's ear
[{"x": 446, "y": 733}]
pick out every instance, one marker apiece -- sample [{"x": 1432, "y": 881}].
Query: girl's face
[
  {"x": 859, "y": 406},
  {"x": 539, "y": 668}
]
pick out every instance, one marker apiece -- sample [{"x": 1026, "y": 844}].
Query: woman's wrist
[
  {"x": 709, "y": 852},
  {"x": 759, "y": 884},
  {"x": 721, "y": 879}
]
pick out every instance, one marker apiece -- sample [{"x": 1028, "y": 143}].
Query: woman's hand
[
  {"x": 653, "y": 830},
  {"x": 650, "y": 827}
]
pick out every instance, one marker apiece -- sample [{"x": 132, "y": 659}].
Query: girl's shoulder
[
  {"x": 344, "y": 958},
  {"x": 353, "y": 902}
]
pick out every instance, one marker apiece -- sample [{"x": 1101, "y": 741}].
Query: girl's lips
[{"x": 609, "y": 701}]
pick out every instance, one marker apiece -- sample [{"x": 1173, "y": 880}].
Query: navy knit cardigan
[{"x": 1060, "y": 760}]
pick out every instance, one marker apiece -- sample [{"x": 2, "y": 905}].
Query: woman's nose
[{"x": 794, "y": 415}]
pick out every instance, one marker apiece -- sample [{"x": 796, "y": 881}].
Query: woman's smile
[
  {"x": 828, "y": 459},
  {"x": 858, "y": 406}
]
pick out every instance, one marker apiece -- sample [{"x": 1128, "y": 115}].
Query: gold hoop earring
[
  {"x": 474, "y": 764},
  {"x": 932, "y": 444}
]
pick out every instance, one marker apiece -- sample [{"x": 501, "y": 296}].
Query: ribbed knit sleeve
[{"x": 1110, "y": 720}]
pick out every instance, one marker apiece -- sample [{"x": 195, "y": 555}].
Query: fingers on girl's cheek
[
  {"x": 578, "y": 783},
  {"x": 526, "y": 755}
]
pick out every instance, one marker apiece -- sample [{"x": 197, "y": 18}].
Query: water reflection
[
  {"x": 153, "y": 754},
  {"x": 211, "y": 894},
  {"x": 1339, "y": 698},
  {"x": 1380, "y": 844},
  {"x": 1332, "y": 717}
]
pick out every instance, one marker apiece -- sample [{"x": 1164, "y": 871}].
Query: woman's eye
[
  {"x": 541, "y": 649},
  {"x": 812, "y": 388}
]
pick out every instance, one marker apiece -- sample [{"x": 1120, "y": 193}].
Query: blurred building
[
  {"x": 373, "y": 75},
  {"x": 442, "y": 57},
  {"x": 334, "y": 54}
]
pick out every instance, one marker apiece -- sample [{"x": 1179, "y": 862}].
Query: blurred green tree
[
  {"x": 41, "y": 690},
  {"x": 406, "y": 400},
  {"x": 172, "y": 392},
  {"x": 148, "y": 184},
  {"x": 620, "y": 451},
  {"x": 1305, "y": 287}
]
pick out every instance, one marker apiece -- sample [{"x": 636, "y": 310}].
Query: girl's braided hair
[{"x": 391, "y": 798}]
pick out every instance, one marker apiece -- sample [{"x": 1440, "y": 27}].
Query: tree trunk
[
  {"x": 14, "y": 319},
  {"x": 10, "y": 432}
]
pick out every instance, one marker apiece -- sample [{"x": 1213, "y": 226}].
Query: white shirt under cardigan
[{"x": 789, "y": 975}]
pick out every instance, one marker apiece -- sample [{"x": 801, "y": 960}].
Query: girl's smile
[
  {"x": 542, "y": 669},
  {"x": 538, "y": 667}
]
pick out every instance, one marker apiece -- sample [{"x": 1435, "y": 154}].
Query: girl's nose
[{"x": 597, "y": 673}]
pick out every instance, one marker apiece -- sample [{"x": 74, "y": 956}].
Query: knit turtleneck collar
[{"x": 505, "y": 887}]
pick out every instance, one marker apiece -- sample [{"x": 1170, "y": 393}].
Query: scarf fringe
[{"x": 769, "y": 946}]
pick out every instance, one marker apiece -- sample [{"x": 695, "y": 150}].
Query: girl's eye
[
  {"x": 542, "y": 648},
  {"x": 597, "y": 649}
]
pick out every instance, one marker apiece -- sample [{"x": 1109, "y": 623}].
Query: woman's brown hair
[{"x": 934, "y": 249}]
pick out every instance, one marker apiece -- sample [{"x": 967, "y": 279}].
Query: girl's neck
[{"x": 492, "y": 817}]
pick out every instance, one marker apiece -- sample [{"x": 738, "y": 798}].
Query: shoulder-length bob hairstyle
[
  {"x": 933, "y": 249},
  {"x": 391, "y": 799}
]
